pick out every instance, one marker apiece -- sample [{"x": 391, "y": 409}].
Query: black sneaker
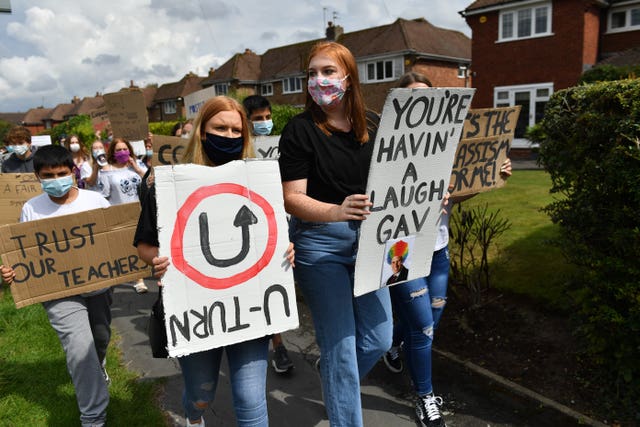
[
  {"x": 281, "y": 362},
  {"x": 428, "y": 411},
  {"x": 393, "y": 361}
]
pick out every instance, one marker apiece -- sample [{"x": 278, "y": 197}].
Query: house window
[
  {"x": 222, "y": 89},
  {"x": 624, "y": 19},
  {"x": 525, "y": 22},
  {"x": 382, "y": 70},
  {"x": 462, "y": 71},
  {"x": 292, "y": 85},
  {"x": 266, "y": 89},
  {"x": 169, "y": 107},
  {"x": 532, "y": 99}
]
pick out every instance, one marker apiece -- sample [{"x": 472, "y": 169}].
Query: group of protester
[{"x": 324, "y": 160}]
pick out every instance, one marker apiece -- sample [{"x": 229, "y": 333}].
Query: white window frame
[
  {"x": 169, "y": 107},
  {"x": 513, "y": 14},
  {"x": 536, "y": 91},
  {"x": 297, "y": 83},
  {"x": 462, "y": 71},
  {"x": 222, "y": 88},
  {"x": 628, "y": 11},
  {"x": 266, "y": 89},
  {"x": 395, "y": 63}
]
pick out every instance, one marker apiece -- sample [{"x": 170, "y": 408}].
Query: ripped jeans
[
  {"x": 247, "y": 373},
  {"x": 418, "y": 305}
]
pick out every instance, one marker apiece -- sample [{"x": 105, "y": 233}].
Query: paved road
[{"x": 295, "y": 400}]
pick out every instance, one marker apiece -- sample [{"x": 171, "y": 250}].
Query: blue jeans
[
  {"x": 352, "y": 333},
  {"x": 248, "y": 374},
  {"x": 418, "y": 305}
]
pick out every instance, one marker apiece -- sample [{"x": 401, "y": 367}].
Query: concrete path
[{"x": 471, "y": 397}]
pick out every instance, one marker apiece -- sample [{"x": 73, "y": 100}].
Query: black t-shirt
[
  {"x": 147, "y": 229},
  {"x": 335, "y": 166}
]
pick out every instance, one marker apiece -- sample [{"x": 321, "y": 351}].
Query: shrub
[
  {"x": 78, "y": 125},
  {"x": 473, "y": 232},
  {"x": 590, "y": 144},
  {"x": 609, "y": 72}
]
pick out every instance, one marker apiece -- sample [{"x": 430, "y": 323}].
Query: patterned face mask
[{"x": 326, "y": 92}]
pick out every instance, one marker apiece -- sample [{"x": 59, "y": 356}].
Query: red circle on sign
[{"x": 184, "y": 213}]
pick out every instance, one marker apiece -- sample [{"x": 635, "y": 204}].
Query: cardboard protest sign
[
  {"x": 99, "y": 118},
  {"x": 15, "y": 190},
  {"x": 267, "y": 146},
  {"x": 195, "y": 100},
  {"x": 410, "y": 171},
  {"x": 485, "y": 144},
  {"x": 40, "y": 140},
  {"x": 128, "y": 114},
  {"x": 72, "y": 254},
  {"x": 224, "y": 229},
  {"x": 168, "y": 150}
]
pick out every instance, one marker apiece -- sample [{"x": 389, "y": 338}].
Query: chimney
[
  {"x": 333, "y": 32},
  {"x": 75, "y": 99},
  {"x": 211, "y": 71}
]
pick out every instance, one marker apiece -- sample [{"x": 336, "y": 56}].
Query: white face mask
[
  {"x": 21, "y": 150},
  {"x": 74, "y": 147}
]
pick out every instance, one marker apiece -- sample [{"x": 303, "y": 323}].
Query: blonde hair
[
  {"x": 353, "y": 100},
  {"x": 194, "y": 153}
]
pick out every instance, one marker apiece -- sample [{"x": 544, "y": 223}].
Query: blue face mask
[
  {"x": 221, "y": 149},
  {"x": 263, "y": 127},
  {"x": 149, "y": 153},
  {"x": 57, "y": 187}
]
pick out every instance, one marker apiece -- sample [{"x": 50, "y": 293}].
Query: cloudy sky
[{"x": 51, "y": 50}]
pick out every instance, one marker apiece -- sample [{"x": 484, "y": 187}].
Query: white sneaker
[
  {"x": 199, "y": 424},
  {"x": 140, "y": 287}
]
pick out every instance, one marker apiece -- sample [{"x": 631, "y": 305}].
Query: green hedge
[{"x": 590, "y": 144}]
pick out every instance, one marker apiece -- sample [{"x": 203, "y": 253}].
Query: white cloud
[{"x": 56, "y": 49}]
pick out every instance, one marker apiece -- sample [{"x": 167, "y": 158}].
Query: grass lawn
[
  {"x": 525, "y": 261},
  {"x": 35, "y": 387}
]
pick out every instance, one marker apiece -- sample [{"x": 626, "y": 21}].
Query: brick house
[
  {"x": 523, "y": 50},
  {"x": 34, "y": 119},
  {"x": 383, "y": 54},
  {"x": 168, "y": 102}
]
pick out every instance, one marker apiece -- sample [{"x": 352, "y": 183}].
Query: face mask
[
  {"x": 263, "y": 127},
  {"x": 96, "y": 153},
  {"x": 221, "y": 150},
  {"x": 326, "y": 92},
  {"x": 11, "y": 149},
  {"x": 122, "y": 157},
  {"x": 20, "y": 150},
  {"x": 74, "y": 147},
  {"x": 185, "y": 135},
  {"x": 57, "y": 187},
  {"x": 149, "y": 153}
]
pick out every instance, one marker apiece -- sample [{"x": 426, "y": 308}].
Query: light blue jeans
[
  {"x": 352, "y": 333},
  {"x": 248, "y": 375},
  {"x": 418, "y": 306}
]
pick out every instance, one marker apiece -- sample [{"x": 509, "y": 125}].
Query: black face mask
[{"x": 221, "y": 149}]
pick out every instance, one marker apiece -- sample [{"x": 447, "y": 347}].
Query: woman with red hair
[{"x": 324, "y": 162}]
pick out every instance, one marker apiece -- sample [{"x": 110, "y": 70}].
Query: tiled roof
[
  {"x": 87, "y": 105},
  {"x": 242, "y": 66},
  {"x": 14, "y": 118},
  {"x": 149, "y": 94},
  {"x": 623, "y": 58},
  {"x": 188, "y": 84},
  {"x": 418, "y": 36},
  {"x": 59, "y": 112},
  {"x": 36, "y": 115}
]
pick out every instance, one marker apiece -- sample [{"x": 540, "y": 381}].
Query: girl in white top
[
  {"x": 81, "y": 159},
  {"x": 120, "y": 183}
]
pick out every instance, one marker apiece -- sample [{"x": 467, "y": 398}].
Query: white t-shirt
[
  {"x": 42, "y": 206},
  {"x": 119, "y": 186},
  {"x": 443, "y": 231}
]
